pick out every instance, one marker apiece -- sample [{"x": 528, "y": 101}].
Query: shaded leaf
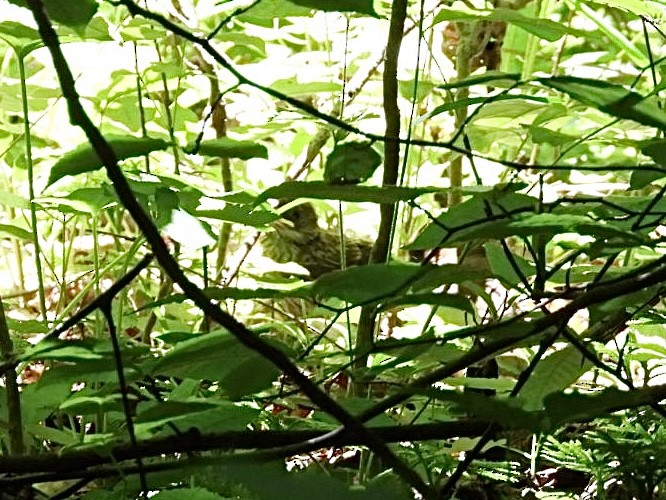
[
  {"x": 229, "y": 148},
  {"x": 84, "y": 158},
  {"x": 13, "y": 231},
  {"x": 610, "y": 98},
  {"x": 326, "y": 191},
  {"x": 554, "y": 373},
  {"x": 351, "y": 163},
  {"x": 496, "y": 77},
  {"x": 73, "y": 13},
  {"x": 218, "y": 356},
  {"x": 241, "y": 214},
  {"x": 189, "y": 493},
  {"x": 375, "y": 281}
]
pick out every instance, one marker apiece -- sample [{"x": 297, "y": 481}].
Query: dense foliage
[{"x": 340, "y": 249}]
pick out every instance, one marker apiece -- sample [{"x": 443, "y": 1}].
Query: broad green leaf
[
  {"x": 454, "y": 225},
  {"x": 465, "y": 103},
  {"x": 263, "y": 13},
  {"x": 92, "y": 405},
  {"x": 188, "y": 230},
  {"x": 507, "y": 412},
  {"x": 84, "y": 158},
  {"x": 205, "y": 415},
  {"x": 229, "y": 148},
  {"x": 17, "y": 35},
  {"x": 73, "y": 13},
  {"x": 90, "y": 371},
  {"x": 498, "y": 79},
  {"x": 436, "y": 299},
  {"x": 293, "y": 88},
  {"x": 26, "y": 326},
  {"x": 542, "y": 28},
  {"x": 656, "y": 150},
  {"x": 561, "y": 408},
  {"x": 543, "y": 135},
  {"x": 359, "y": 6},
  {"x": 325, "y": 191},
  {"x": 66, "y": 350},
  {"x": 191, "y": 493},
  {"x": 610, "y": 98},
  {"x": 351, "y": 163},
  {"x": 278, "y": 484},
  {"x": 638, "y": 7},
  {"x": 641, "y": 177},
  {"x": 13, "y": 200},
  {"x": 555, "y": 373},
  {"x": 375, "y": 281},
  {"x": 13, "y": 231},
  {"x": 503, "y": 269},
  {"x": 218, "y": 356},
  {"x": 240, "y": 214}
]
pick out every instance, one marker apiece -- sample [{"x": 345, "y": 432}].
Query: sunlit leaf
[
  {"x": 188, "y": 230},
  {"x": 610, "y": 98},
  {"x": 542, "y": 28},
  {"x": 358, "y": 6}
]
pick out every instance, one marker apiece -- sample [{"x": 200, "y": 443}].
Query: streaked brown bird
[{"x": 299, "y": 238}]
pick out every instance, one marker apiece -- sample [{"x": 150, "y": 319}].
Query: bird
[{"x": 297, "y": 237}]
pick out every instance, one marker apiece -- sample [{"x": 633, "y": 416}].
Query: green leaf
[
  {"x": 240, "y": 214},
  {"x": 229, "y": 148},
  {"x": 641, "y": 177},
  {"x": 554, "y": 373},
  {"x": 507, "y": 412},
  {"x": 92, "y": 405},
  {"x": 294, "y": 88},
  {"x": 18, "y": 35},
  {"x": 351, "y": 163},
  {"x": 561, "y": 408},
  {"x": 189, "y": 493},
  {"x": 325, "y": 191},
  {"x": 205, "y": 415},
  {"x": 503, "y": 269},
  {"x": 543, "y": 135},
  {"x": 66, "y": 350},
  {"x": 498, "y": 79},
  {"x": 359, "y": 6},
  {"x": 610, "y": 98},
  {"x": 13, "y": 231},
  {"x": 487, "y": 101},
  {"x": 638, "y": 7},
  {"x": 541, "y": 28},
  {"x": 84, "y": 158},
  {"x": 73, "y": 13},
  {"x": 375, "y": 281},
  {"x": 218, "y": 356},
  {"x": 459, "y": 222}
]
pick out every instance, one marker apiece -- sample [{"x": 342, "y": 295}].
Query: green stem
[{"x": 31, "y": 187}]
